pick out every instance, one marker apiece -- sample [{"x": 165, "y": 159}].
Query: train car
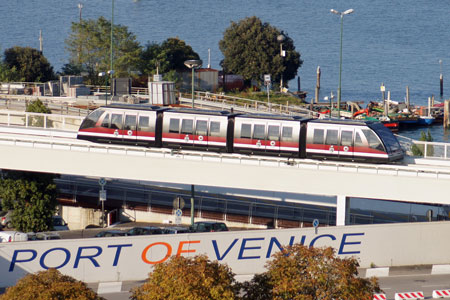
[
  {"x": 351, "y": 141},
  {"x": 265, "y": 134},
  {"x": 123, "y": 124},
  {"x": 196, "y": 129},
  {"x": 222, "y": 131}
]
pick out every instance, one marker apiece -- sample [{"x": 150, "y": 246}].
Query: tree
[
  {"x": 251, "y": 49},
  {"x": 419, "y": 149},
  {"x": 32, "y": 197},
  {"x": 168, "y": 57},
  {"x": 301, "y": 273},
  {"x": 188, "y": 278},
  {"x": 89, "y": 46},
  {"x": 28, "y": 64},
  {"x": 49, "y": 285},
  {"x": 38, "y": 107}
]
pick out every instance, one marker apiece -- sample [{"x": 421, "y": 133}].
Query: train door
[
  {"x": 259, "y": 137},
  {"x": 331, "y": 142},
  {"x": 187, "y": 131},
  {"x": 129, "y": 133},
  {"x": 346, "y": 148},
  {"x": 273, "y": 137},
  {"x": 146, "y": 128},
  {"x": 200, "y": 137},
  {"x": 116, "y": 125}
]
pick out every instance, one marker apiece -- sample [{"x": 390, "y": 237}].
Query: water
[{"x": 398, "y": 43}]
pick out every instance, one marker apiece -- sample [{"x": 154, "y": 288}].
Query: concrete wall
[{"x": 246, "y": 252}]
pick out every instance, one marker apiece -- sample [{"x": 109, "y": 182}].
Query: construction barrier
[
  {"x": 409, "y": 296},
  {"x": 441, "y": 294},
  {"x": 379, "y": 296}
]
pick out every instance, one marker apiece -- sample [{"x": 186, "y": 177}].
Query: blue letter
[
  {"x": 119, "y": 248},
  {"x": 243, "y": 248},
  {"x": 274, "y": 240},
  {"x": 41, "y": 261},
  {"x": 14, "y": 258},
  {"x": 321, "y": 236},
  {"x": 343, "y": 243},
  {"x": 226, "y": 252},
  {"x": 90, "y": 257}
]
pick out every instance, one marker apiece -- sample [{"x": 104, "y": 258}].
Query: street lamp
[
  {"x": 280, "y": 39},
  {"x": 341, "y": 14},
  {"x": 103, "y": 74},
  {"x": 193, "y": 64},
  {"x": 111, "y": 73}
]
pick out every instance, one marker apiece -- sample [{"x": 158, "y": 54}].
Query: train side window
[
  {"x": 201, "y": 128},
  {"x": 373, "y": 140},
  {"x": 358, "y": 140},
  {"x": 273, "y": 133},
  {"x": 332, "y": 137},
  {"x": 105, "y": 122},
  {"x": 259, "y": 132},
  {"x": 187, "y": 126},
  {"x": 319, "y": 135},
  {"x": 347, "y": 138},
  {"x": 246, "y": 131},
  {"x": 214, "y": 128},
  {"x": 116, "y": 121},
  {"x": 144, "y": 123},
  {"x": 130, "y": 122},
  {"x": 174, "y": 126},
  {"x": 286, "y": 134}
]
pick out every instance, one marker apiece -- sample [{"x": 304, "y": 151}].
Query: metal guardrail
[
  {"x": 425, "y": 149},
  {"x": 38, "y": 120},
  {"x": 226, "y": 102},
  {"x": 392, "y": 170}
]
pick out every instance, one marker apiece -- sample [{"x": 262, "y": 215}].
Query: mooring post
[
  {"x": 446, "y": 112},
  {"x": 407, "y": 97},
  {"x": 317, "y": 85}
]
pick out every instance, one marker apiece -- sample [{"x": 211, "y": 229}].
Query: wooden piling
[
  {"x": 446, "y": 114},
  {"x": 317, "y": 85},
  {"x": 407, "y": 97}
]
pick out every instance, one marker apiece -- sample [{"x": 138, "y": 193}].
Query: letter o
[
  {"x": 168, "y": 254},
  {"x": 41, "y": 261}
]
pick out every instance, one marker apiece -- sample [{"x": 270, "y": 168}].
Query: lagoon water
[{"x": 398, "y": 43}]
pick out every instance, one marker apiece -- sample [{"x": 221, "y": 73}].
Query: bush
[
  {"x": 188, "y": 278},
  {"x": 419, "y": 149},
  {"x": 49, "y": 285}
]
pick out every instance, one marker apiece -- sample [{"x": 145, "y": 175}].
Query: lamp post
[
  {"x": 103, "y": 74},
  {"x": 111, "y": 73},
  {"x": 280, "y": 39},
  {"x": 112, "y": 25},
  {"x": 341, "y": 14},
  {"x": 193, "y": 64}
]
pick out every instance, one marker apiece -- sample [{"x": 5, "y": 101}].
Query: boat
[{"x": 425, "y": 120}]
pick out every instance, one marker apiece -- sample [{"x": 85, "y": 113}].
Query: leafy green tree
[
  {"x": 301, "y": 273},
  {"x": 32, "y": 197},
  {"x": 419, "y": 149},
  {"x": 89, "y": 46},
  {"x": 27, "y": 64},
  {"x": 38, "y": 107},
  {"x": 168, "y": 57},
  {"x": 8, "y": 74},
  {"x": 190, "y": 278},
  {"x": 251, "y": 49},
  {"x": 49, "y": 285}
]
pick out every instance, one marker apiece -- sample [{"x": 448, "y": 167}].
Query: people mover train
[{"x": 258, "y": 134}]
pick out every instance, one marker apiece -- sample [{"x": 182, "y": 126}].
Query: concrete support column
[{"x": 342, "y": 210}]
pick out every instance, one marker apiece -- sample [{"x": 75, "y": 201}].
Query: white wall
[{"x": 246, "y": 252}]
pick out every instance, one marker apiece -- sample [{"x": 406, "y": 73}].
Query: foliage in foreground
[
  {"x": 189, "y": 278},
  {"x": 32, "y": 197},
  {"x": 302, "y": 273},
  {"x": 49, "y": 285}
]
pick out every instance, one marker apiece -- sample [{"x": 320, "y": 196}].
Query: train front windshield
[
  {"x": 91, "y": 119},
  {"x": 390, "y": 141}
]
